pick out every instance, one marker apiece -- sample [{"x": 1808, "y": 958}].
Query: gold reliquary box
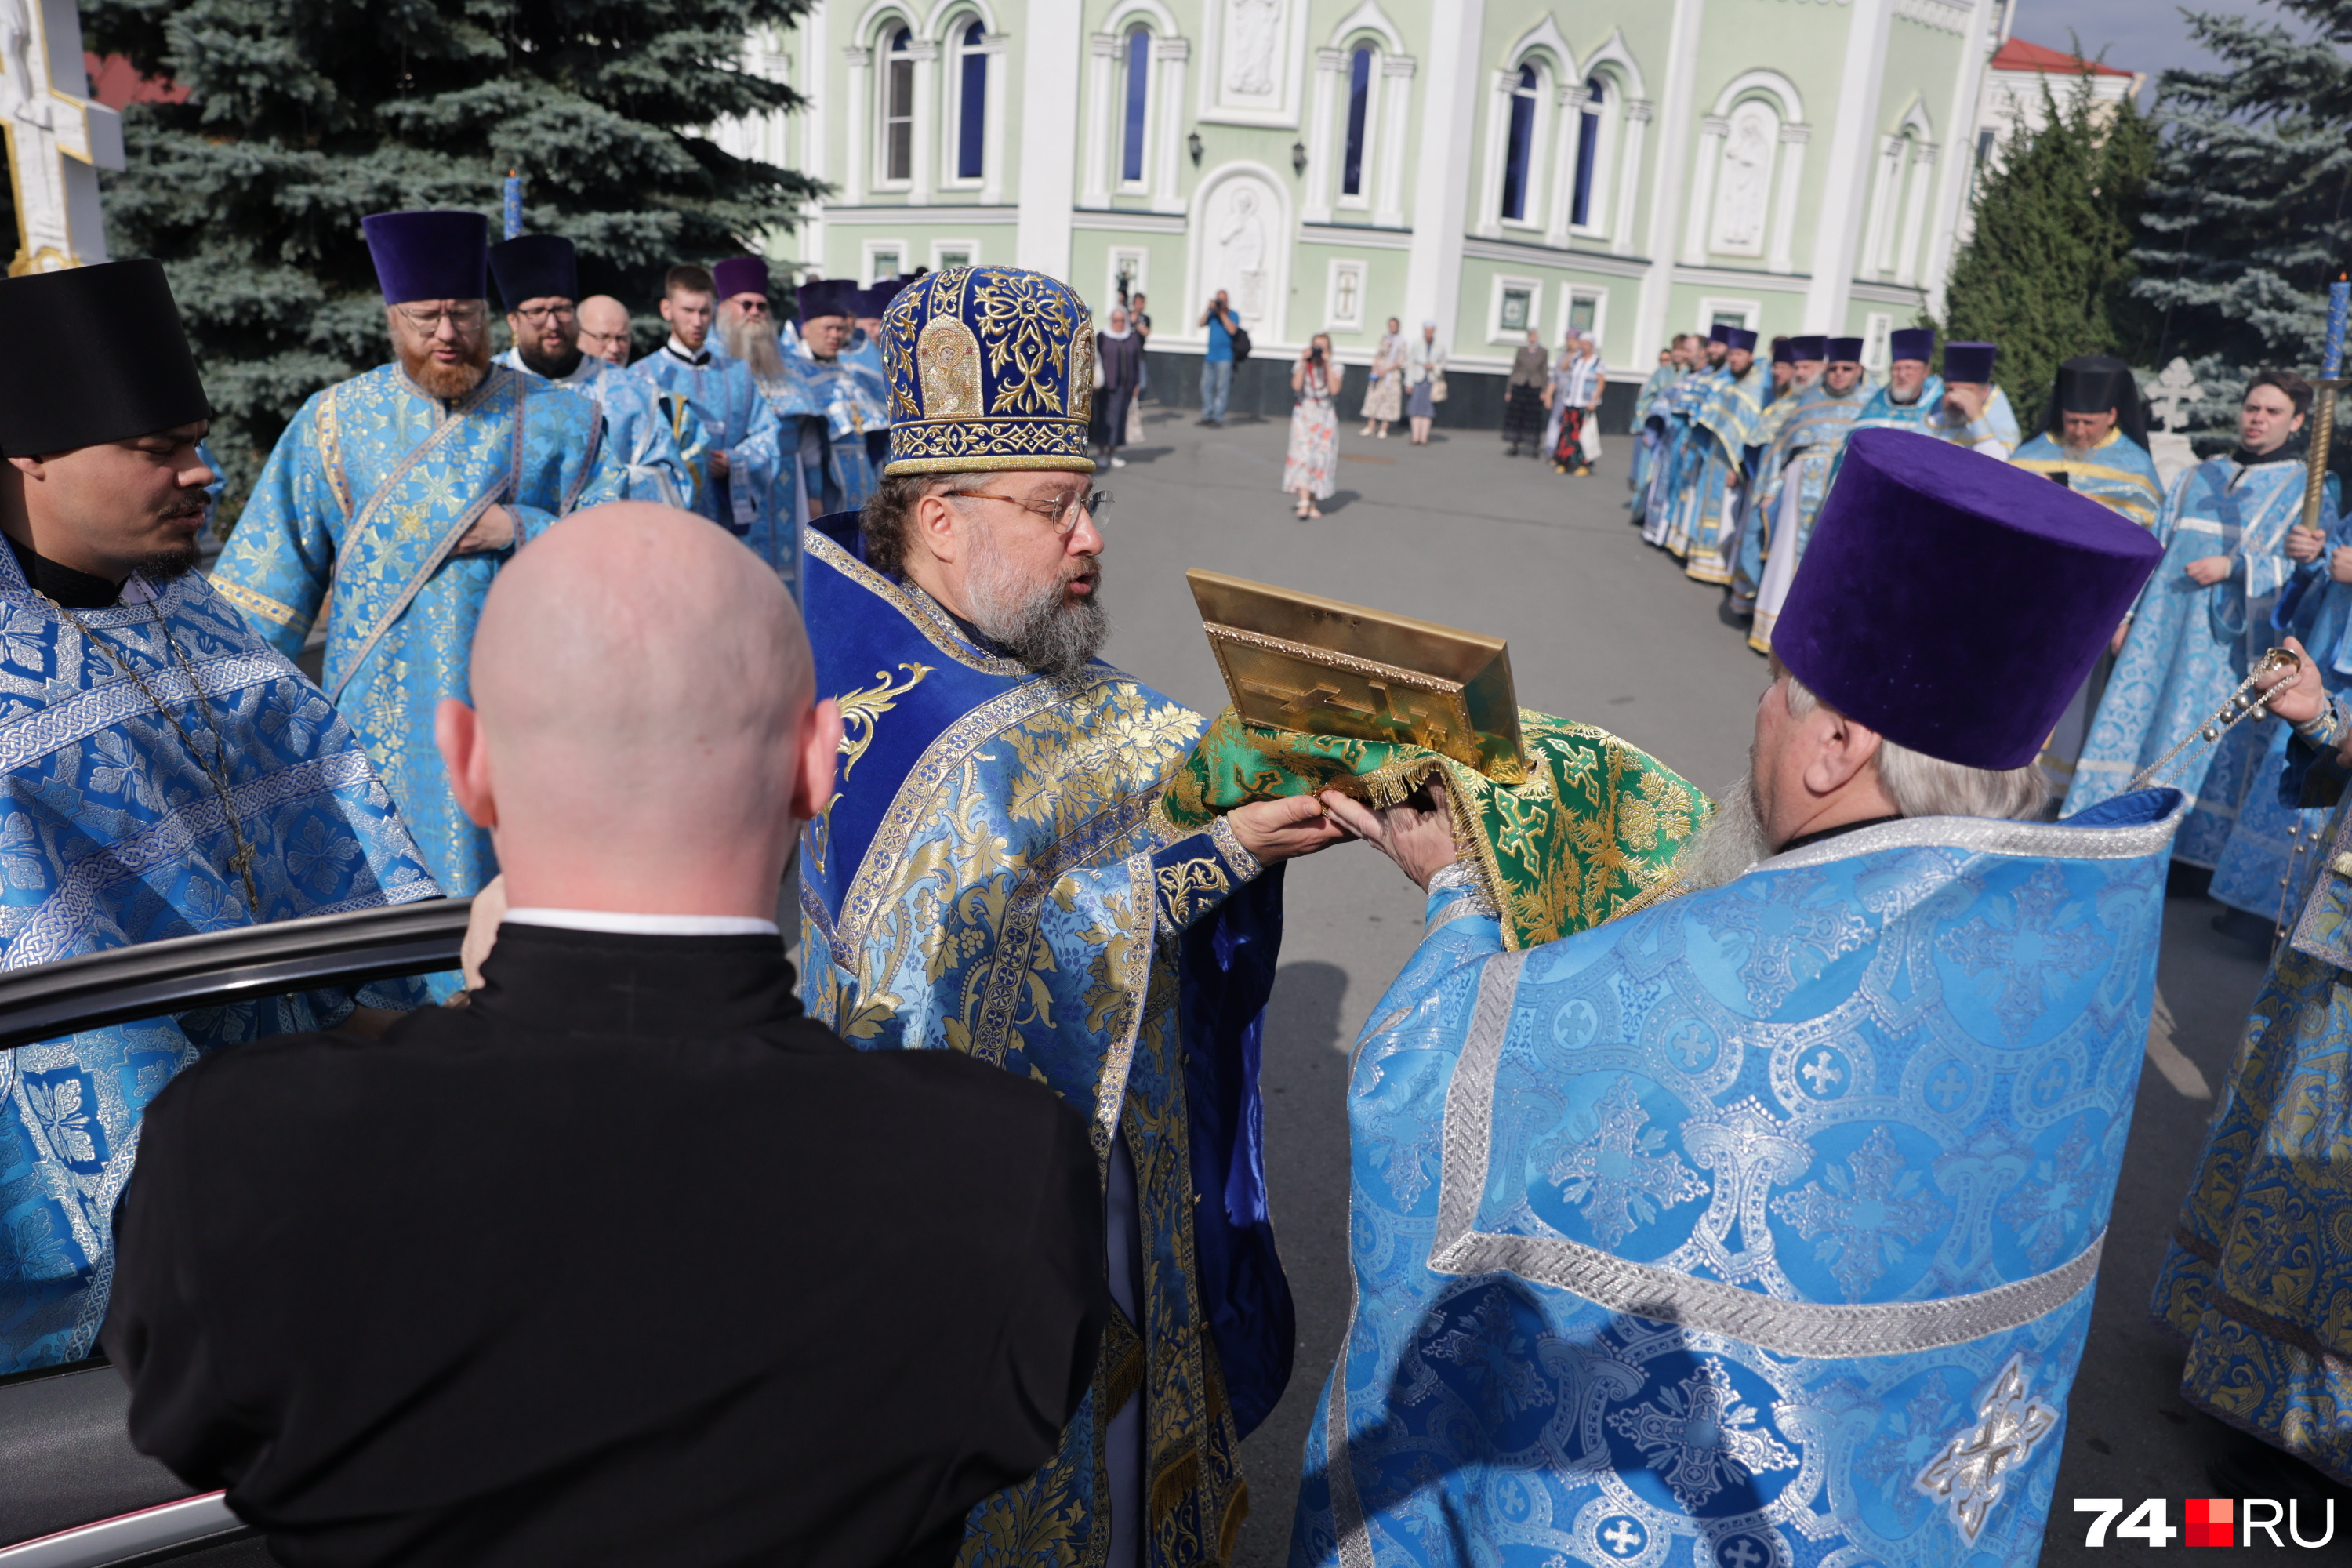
[{"x": 1319, "y": 667}]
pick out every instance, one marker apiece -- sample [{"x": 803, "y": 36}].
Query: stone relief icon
[
  {"x": 1252, "y": 45},
  {"x": 1241, "y": 250},
  {"x": 1744, "y": 187}
]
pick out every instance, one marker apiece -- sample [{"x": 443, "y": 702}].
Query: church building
[{"x": 1632, "y": 168}]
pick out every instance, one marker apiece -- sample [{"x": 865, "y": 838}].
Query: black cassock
[{"x": 628, "y": 1262}]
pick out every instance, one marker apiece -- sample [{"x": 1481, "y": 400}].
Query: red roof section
[
  {"x": 2017, "y": 55},
  {"x": 114, "y": 83}
]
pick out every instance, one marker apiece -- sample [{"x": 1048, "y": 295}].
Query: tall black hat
[
  {"x": 2093, "y": 383},
  {"x": 535, "y": 267},
  {"x": 113, "y": 360}
]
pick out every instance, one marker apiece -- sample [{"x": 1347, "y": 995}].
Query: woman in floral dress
[
  {"x": 1310, "y": 468},
  {"x": 1384, "y": 398}
]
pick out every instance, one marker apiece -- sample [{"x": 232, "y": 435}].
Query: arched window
[
  {"x": 1588, "y": 148},
  {"x": 971, "y": 105},
  {"x": 898, "y": 108},
  {"x": 1521, "y": 151},
  {"x": 1138, "y": 85},
  {"x": 1360, "y": 102}
]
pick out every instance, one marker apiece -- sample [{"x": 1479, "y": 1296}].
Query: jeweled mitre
[{"x": 990, "y": 367}]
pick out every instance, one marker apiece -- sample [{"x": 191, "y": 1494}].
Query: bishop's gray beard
[
  {"x": 1732, "y": 841},
  {"x": 1038, "y": 625},
  {"x": 750, "y": 341}
]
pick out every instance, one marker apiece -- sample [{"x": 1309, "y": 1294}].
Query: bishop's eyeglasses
[{"x": 1062, "y": 513}]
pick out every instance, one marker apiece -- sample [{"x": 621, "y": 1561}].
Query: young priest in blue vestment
[
  {"x": 1758, "y": 1224},
  {"x": 166, "y": 772}
]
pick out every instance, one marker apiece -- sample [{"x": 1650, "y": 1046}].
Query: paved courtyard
[{"x": 1603, "y": 629}]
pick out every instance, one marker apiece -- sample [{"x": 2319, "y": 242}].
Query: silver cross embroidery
[{"x": 1968, "y": 1473}]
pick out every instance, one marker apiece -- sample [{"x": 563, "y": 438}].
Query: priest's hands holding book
[
  {"x": 1417, "y": 833},
  {"x": 1284, "y": 828}
]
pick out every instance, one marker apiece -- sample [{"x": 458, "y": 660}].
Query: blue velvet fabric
[{"x": 429, "y": 254}]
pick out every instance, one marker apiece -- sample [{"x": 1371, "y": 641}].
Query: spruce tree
[
  {"x": 304, "y": 116},
  {"x": 2047, "y": 273},
  {"x": 2250, "y": 206}
]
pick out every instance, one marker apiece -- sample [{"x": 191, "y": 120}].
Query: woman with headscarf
[
  {"x": 1425, "y": 381},
  {"x": 1384, "y": 398},
  {"x": 1310, "y": 468},
  {"x": 1523, "y": 397},
  {"x": 1121, "y": 349}
]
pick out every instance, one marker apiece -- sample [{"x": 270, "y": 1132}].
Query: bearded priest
[
  {"x": 166, "y": 773},
  {"x": 405, "y": 489},
  {"x": 997, "y": 874},
  {"x": 1759, "y": 1225}
]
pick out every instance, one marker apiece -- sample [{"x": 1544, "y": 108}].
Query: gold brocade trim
[
  {"x": 1122, "y": 1360},
  {"x": 261, "y": 605},
  {"x": 898, "y": 466},
  {"x": 330, "y": 445},
  {"x": 859, "y": 708},
  {"x": 920, "y": 608}
]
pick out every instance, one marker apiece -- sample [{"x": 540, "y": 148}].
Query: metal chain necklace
[
  {"x": 216, "y": 769},
  {"x": 2235, "y": 709}
]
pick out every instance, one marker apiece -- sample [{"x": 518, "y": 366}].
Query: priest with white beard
[{"x": 537, "y": 276}]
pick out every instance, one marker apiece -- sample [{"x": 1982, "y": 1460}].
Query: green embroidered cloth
[{"x": 1594, "y": 827}]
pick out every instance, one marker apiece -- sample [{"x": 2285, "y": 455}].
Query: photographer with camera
[
  {"x": 1310, "y": 468},
  {"x": 1217, "y": 365}
]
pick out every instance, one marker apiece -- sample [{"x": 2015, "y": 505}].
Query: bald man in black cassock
[{"x": 628, "y": 1262}]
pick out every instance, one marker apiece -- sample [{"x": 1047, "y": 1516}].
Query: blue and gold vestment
[
  {"x": 995, "y": 876},
  {"x": 1676, "y": 449},
  {"x": 367, "y": 495},
  {"x": 1705, "y": 518},
  {"x": 1792, "y": 482},
  {"x": 2257, "y": 1282},
  {"x": 843, "y": 404},
  {"x": 732, "y": 417},
  {"x": 645, "y": 434},
  {"x": 1755, "y": 1227},
  {"x": 113, "y": 832},
  {"x": 2117, "y": 473},
  {"x": 1648, "y": 403}
]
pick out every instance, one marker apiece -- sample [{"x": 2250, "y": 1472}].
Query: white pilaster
[
  {"x": 1633, "y": 123},
  {"x": 1572, "y": 99},
  {"x": 1968, "y": 87},
  {"x": 1396, "y": 116},
  {"x": 1167, "y": 186},
  {"x": 925, "y": 53},
  {"x": 1793, "y": 139},
  {"x": 1879, "y": 233},
  {"x": 1489, "y": 221},
  {"x": 1102, "y": 84},
  {"x": 1049, "y": 154},
  {"x": 853, "y": 99},
  {"x": 1667, "y": 196},
  {"x": 992, "y": 136},
  {"x": 1837, "y": 236},
  {"x": 1915, "y": 216},
  {"x": 1711, "y": 133},
  {"x": 814, "y": 59},
  {"x": 1328, "y": 64},
  {"x": 1441, "y": 173}
]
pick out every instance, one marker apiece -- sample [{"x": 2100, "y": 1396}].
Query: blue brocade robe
[
  {"x": 1792, "y": 481},
  {"x": 1994, "y": 432},
  {"x": 1734, "y": 1231},
  {"x": 994, "y": 878},
  {"x": 112, "y": 833},
  {"x": 2186, "y": 648},
  {"x": 1648, "y": 403},
  {"x": 646, "y": 433},
  {"x": 1706, "y": 511},
  {"x": 845, "y": 401},
  {"x": 2257, "y": 1281},
  {"x": 2117, "y": 473},
  {"x": 734, "y": 418},
  {"x": 1672, "y": 423},
  {"x": 367, "y": 494}
]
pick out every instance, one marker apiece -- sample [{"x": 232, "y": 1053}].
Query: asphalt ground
[{"x": 1605, "y": 629}]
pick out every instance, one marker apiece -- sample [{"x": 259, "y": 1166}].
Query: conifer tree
[
  {"x": 305, "y": 115},
  {"x": 2047, "y": 273},
  {"x": 2250, "y": 205}
]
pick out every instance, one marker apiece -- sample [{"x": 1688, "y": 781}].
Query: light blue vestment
[
  {"x": 2186, "y": 648},
  {"x": 367, "y": 495},
  {"x": 1646, "y": 436},
  {"x": 735, "y": 419},
  {"x": 1755, "y": 1227},
  {"x": 1672, "y": 423},
  {"x": 850, "y": 400},
  {"x": 113, "y": 832},
  {"x": 1705, "y": 529},
  {"x": 1994, "y": 432},
  {"x": 1792, "y": 482},
  {"x": 2117, "y": 473},
  {"x": 645, "y": 434},
  {"x": 995, "y": 877}
]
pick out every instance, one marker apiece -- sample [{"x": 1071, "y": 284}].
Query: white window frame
[
  {"x": 868, "y": 273},
  {"x": 1605, "y": 138},
  {"x": 939, "y": 247},
  {"x": 1877, "y": 332},
  {"x": 954, "y": 52},
  {"x": 1362, "y": 200},
  {"x": 1140, "y": 279},
  {"x": 1498, "y": 334},
  {"x": 1540, "y": 133},
  {"x": 883, "y": 61},
  {"x": 1341, "y": 266},
  {"x": 1568, "y": 295},
  {"x": 1130, "y": 28},
  {"x": 1710, "y": 306}
]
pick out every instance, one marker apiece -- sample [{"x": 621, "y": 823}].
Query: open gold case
[{"x": 1299, "y": 662}]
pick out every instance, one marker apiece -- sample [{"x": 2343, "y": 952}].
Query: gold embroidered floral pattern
[
  {"x": 1024, "y": 323},
  {"x": 1189, "y": 887},
  {"x": 860, "y": 709}
]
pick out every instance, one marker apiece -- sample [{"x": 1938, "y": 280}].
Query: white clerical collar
[
  {"x": 691, "y": 356},
  {"x": 643, "y": 925}
]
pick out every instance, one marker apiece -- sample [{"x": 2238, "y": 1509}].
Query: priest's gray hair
[
  {"x": 1921, "y": 786},
  {"x": 890, "y": 510}
]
